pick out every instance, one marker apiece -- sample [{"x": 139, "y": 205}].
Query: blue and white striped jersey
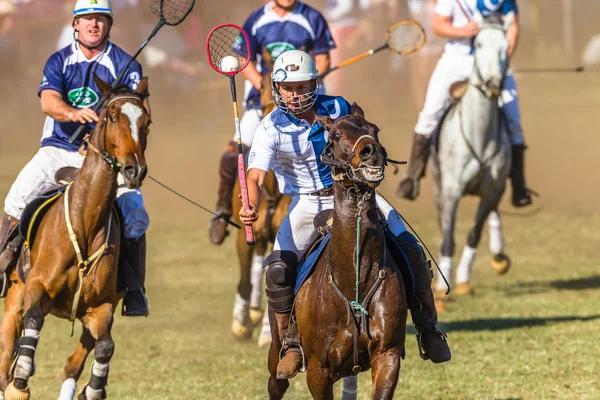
[
  {"x": 292, "y": 148},
  {"x": 302, "y": 29},
  {"x": 71, "y": 74}
]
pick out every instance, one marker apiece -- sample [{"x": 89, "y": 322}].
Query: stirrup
[{"x": 294, "y": 344}]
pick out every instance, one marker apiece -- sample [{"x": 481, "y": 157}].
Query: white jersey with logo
[
  {"x": 292, "y": 148},
  {"x": 451, "y": 8}
]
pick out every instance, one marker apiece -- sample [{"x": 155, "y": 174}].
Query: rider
[
  {"x": 67, "y": 93},
  {"x": 289, "y": 141},
  {"x": 455, "y": 65},
  {"x": 278, "y": 26}
]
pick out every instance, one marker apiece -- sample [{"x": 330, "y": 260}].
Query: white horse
[{"x": 474, "y": 155}]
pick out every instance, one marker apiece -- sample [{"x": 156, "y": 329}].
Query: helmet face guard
[
  {"x": 294, "y": 66},
  {"x": 295, "y": 104}
]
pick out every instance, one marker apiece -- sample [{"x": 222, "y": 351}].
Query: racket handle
[{"x": 244, "y": 191}]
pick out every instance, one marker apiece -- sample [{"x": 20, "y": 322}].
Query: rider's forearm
[
  {"x": 255, "y": 182},
  {"x": 322, "y": 62},
  {"x": 252, "y": 75},
  {"x": 442, "y": 27},
  {"x": 512, "y": 34},
  {"x": 55, "y": 107}
]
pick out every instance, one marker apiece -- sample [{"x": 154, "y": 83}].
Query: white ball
[{"x": 229, "y": 64}]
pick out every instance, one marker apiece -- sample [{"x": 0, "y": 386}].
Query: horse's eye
[{"x": 112, "y": 118}]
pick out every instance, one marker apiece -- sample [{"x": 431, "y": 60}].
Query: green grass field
[{"x": 532, "y": 334}]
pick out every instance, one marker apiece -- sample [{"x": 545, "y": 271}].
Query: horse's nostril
[
  {"x": 130, "y": 171},
  {"x": 367, "y": 151}
]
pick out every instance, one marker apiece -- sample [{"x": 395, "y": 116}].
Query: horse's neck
[
  {"x": 91, "y": 197},
  {"x": 344, "y": 239},
  {"x": 479, "y": 118}
]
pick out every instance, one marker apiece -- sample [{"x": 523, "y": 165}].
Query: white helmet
[
  {"x": 83, "y": 7},
  {"x": 295, "y": 66}
]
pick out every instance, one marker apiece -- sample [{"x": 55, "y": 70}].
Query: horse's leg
[
  {"x": 75, "y": 363},
  {"x": 240, "y": 326},
  {"x": 99, "y": 321},
  {"x": 449, "y": 204},
  {"x": 350, "y": 388},
  {"x": 36, "y": 304},
  {"x": 264, "y": 337},
  {"x": 257, "y": 279},
  {"x": 384, "y": 373},
  {"x": 319, "y": 382},
  {"x": 276, "y": 387},
  {"x": 463, "y": 272},
  {"x": 11, "y": 327},
  {"x": 499, "y": 261}
]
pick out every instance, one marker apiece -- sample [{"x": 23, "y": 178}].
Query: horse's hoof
[
  {"x": 12, "y": 393},
  {"x": 500, "y": 263},
  {"x": 463, "y": 289},
  {"x": 240, "y": 331},
  {"x": 256, "y": 316}
]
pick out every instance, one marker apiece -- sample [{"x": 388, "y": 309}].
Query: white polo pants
[
  {"x": 38, "y": 176},
  {"x": 453, "y": 68},
  {"x": 297, "y": 231}
]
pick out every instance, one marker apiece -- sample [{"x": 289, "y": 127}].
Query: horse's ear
[
  {"x": 142, "y": 87},
  {"x": 102, "y": 86},
  {"x": 325, "y": 121},
  {"x": 478, "y": 18},
  {"x": 356, "y": 110},
  {"x": 508, "y": 20}
]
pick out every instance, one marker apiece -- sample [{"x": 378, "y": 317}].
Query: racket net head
[
  {"x": 172, "y": 12},
  {"x": 227, "y": 41},
  {"x": 406, "y": 37}
]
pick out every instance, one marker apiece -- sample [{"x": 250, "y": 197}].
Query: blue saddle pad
[{"x": 307, "y": 265}]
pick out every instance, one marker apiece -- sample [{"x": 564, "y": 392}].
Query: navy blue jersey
[
  {"x": 302, "y": 29},
  {"x": 71, "y": 74}
]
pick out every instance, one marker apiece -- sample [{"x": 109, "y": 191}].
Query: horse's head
[
  {"x": 121, "y": 134},
  {"x": 490, "y": 53},
  {"x": 353, "y": 150}
]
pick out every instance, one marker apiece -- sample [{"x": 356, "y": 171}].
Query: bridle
[
  {"x": 481, "y": 86},
  {"x": 100, "y": 148}
]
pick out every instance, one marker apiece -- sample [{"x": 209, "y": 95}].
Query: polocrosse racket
[
  {"x": 403, "y": 37},
  {"x": 228, "y": 50}
]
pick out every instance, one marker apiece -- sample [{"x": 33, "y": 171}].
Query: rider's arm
[
  {"x": 322, "y": 62},
  {"x": 252, "y": 75},
  {"x": 512, "y": 34},
  {"x": 55, "y": 107},
  {"x": 442, "y": 26}
]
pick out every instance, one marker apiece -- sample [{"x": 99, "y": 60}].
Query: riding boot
[
  {"x": 290, "y": 361},
  {"x": 521, "y": 196},
  {"x": 10, "y": 245},
  {"x": 217, "y": 229},
  {"x": 409, "y": 185},
  {"x": 135, "y": 303},
  {"x": 430, "y": 339}
]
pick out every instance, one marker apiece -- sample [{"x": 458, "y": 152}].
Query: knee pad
[
  {"x": 104, "y": 350},
  {"x": 280, "y": 280}
]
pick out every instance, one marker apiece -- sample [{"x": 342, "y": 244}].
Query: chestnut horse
[
  {"x": 75, "y": 254},
  {"x": 350, "y": 317},
  {"x": 248, "y": 312}
]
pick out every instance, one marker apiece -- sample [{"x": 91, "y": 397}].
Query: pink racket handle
[{"x": 244, "y": 190}]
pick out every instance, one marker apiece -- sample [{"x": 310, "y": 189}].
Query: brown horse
[
  {"x": 75, "y": 254},
  {"x": 341, "y": 337},
  {"x": 247, "y": 312}
]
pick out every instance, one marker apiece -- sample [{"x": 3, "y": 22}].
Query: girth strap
[{"x": 85, "y": 266}]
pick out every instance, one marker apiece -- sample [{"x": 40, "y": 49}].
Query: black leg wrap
[
  {"x": 104, "y": 351},
  {"x": 97, "y": 382},
  {"x": 34, "y": 318},
  {"x": 281, "y": 279}
]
